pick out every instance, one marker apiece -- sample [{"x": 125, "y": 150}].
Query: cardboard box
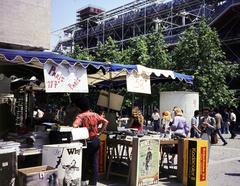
[{"x": 41, "y": 175}]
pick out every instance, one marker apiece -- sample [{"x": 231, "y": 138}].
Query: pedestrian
[
  {"x": 156, "y": 120},
  {"x": 137, "y": 119},
  {"x": 207, "y": 125},
  {"x": 226, "y": 121},
  {"x": 91, "y": 121},
  {"x": 195, "y": 132},
  {"x": 219, "y": 120},
  {"x": 232, "y": 126}
]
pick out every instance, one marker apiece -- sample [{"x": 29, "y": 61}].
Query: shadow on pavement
[{"x": 232, "y": 174}]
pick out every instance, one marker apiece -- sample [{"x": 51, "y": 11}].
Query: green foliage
[
  {"x": 108, "y": 52},
  {"x": 138, "y": 51},
  {"x": 158, "y": 54},
  {"x": 199, "y": 53},
  {"x": 81, "y": 55}
]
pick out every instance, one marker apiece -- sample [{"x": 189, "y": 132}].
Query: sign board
[
  {"x": 65, "y": 78},
  {"x": 138, "y": 83},
  {"x": 115, "y": 102},
  {"x": 145, "y": 162}
]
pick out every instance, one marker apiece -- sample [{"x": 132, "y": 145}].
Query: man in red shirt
[{"x": 91, "y": 121}]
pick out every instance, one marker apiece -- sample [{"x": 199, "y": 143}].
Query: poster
[
  {"x": 65, "y": 78},
  {"x": 148, "y": 161},
  {"x": 138, "y": 83}
]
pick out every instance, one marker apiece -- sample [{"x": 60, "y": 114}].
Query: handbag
[{"x": 214, "y": 138}]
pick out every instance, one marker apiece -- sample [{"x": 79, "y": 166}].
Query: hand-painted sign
[
  {"x": 65, "y": 78},
  {"x": 138, "y": 83}
]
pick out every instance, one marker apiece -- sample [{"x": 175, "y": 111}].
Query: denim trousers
[{"x": 90, "y": 161}]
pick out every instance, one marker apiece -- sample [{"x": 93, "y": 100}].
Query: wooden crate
[{"x": 34, "y": 176}]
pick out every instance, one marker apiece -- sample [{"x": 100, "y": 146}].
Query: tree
[
  {"x": 81, "y": 54},
  {"x": 199, "y": 53},
  {"x": 108, "y": 52},
  {"x": 157, "y": 51},
  {"x": 138, "y": 51}
]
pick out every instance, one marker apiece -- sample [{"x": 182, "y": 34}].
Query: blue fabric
[
  {"x": 42, "y": 57},
  {"x": 187, "y": 78}
]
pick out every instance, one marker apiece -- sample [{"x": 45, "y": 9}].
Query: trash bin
[
  {"x": 67, "y": 158},
  {"x": 7, "y": 167},
  {"x": 40, "y": 175}
]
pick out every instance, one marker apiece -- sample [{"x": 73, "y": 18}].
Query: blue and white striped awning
[{"x": 110, "y": 71}]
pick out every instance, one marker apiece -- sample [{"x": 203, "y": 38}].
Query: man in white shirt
[
  {"x": 156, "y": 120},
  {"x": 233, "y": 120}
]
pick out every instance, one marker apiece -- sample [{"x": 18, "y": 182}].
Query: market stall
[{"x": 64, "y": 74}]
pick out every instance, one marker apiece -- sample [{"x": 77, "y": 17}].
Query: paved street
[{"x": 223, "y": 169}]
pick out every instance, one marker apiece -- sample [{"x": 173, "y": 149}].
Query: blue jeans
[
  {"x": 156, "y": 125},
  {"x": 90, "y": 161},
  {"x": 194, "y": 133}
]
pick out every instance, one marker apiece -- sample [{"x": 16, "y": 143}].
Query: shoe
[
  {"x": 225, "y": 143},
  {"x": 233, "y": 136}
]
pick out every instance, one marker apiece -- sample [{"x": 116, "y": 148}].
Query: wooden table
[{"x": 165, "y": 148}]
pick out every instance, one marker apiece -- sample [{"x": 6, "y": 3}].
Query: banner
[
  {"x": 65, "y": 78},
  {"x": 138, "y": 83}
]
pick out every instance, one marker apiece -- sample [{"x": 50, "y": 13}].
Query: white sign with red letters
[
  {"x": 65, "y": 78},
  {"x": 138, "y": 83}
]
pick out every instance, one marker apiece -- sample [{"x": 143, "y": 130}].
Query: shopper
[
  {"x": 232, "y": 126},
  {"x": 195, "y": 132},
  {"x": 137, "y": 119},
  {"x": 156, "y": 120},
  {"x": 91, "y": 121},
  {"x": 218, "y": 118},
  {"x": 179, "y": 126},
  {"x": 165, "y": 122}
]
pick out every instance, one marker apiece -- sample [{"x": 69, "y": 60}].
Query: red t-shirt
[{"x": 90, "y": 120}]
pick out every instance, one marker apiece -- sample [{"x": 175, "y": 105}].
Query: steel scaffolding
[{"x": 140, "y": 17}]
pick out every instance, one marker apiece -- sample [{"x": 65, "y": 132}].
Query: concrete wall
[{"x": 25, "y": 24}]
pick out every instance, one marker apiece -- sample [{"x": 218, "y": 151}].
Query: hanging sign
[
  {"x": 138, "y": 83},
  {"x": 65, "y": 78}
]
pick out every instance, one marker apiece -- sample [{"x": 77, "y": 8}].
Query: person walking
[
  {"x": 156, "y": 120},
  {"x": 226, "y": 121},
  {"x": 207, "y": 126},
  {"x": 219, "y": 120},
  {"x": 91, "y": 121},
  {"x": 232, "y": 126},
  {"x": 195, "y": 132}
]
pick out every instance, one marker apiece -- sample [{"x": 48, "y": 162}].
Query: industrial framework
[{"x": 142, "y": 17}]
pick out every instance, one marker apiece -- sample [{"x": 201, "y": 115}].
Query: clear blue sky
[{"x": 64, "y": 12}]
